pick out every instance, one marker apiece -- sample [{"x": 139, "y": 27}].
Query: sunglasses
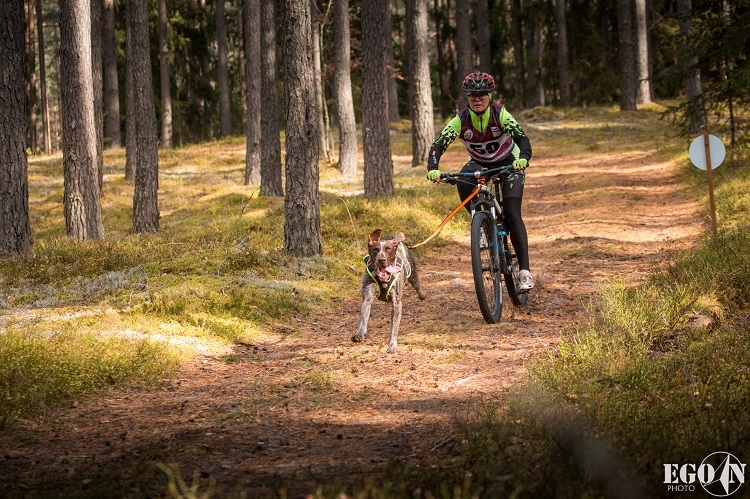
[{"x": 477, "y": 95}]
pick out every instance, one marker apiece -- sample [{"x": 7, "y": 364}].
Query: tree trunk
[
  {"x": 342, "y": 83},
  {"x": 241, "y": 57},
  {"x": 519, "y": 80},
  {"x": 252, "y": 89},
  {"x": 642, "y": 53},
  {"x": 483, "y": 36},
  {"x": 165, "y": 77},
  {"x": 302, "y": 235},
  {"x": 696, "y": 112},
  {"x": 131, "y": 123},
  {"x": 422, "y": 125},
  {"x": 15, "y": 231},
  {"x": 97, "y": 79},
  {"x": 32, "y": 138},
  {"x": 375, "y": 131},
  {"x": 315, "y": 17},
  {"x": 270, "y": 150},
  {"x": 111, "y": 84},
  {"x": 534, "y": 53},
  {"x": 145, "y": 198},
  {"x": 82, "y": 202},
  {"x": 563, "y": 66},
  {"x": 225, "y": 112},
  {"x": 394, "y": 115},
  {"x": 442, "y": 40},
  {"x": 628, "y": 69},
  {"x": 47, "y": 137},
  {"x": 464, "y": 54}
]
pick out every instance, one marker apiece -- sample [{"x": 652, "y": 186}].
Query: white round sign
[{"x": 716, "y": 148}]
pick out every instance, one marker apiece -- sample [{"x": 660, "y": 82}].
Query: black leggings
[{"x": 512, "y": 190}]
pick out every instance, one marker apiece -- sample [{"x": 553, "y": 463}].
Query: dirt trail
[{"x": 311, "y": 405}]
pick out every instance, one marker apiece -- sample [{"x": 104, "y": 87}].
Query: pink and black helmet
[{"x": 478, "y": 81}]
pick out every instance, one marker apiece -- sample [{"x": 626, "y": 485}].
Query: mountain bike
[{"x": 492, "y": 256}]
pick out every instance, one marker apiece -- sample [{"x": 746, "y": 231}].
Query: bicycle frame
[{"x": 488, "y": 223}]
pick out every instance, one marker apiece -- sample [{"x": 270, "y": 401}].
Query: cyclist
[{"x": 493, "y": 138}]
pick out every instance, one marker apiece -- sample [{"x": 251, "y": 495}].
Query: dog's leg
[
  {"x": 397, "y": 305},
  {"x": 369, "y": 292},
  {"x": 414, "y": 277}
]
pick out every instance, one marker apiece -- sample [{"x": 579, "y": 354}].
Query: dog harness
[{"x": 400, "y": 265}]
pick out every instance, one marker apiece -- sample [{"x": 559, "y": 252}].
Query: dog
[{"x": 388, "y": 264}]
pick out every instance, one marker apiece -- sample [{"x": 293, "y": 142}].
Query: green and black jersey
[{"x": 493, "y": 138}]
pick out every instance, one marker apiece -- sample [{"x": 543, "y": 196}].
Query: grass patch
[{"x": 43, "y": 370}]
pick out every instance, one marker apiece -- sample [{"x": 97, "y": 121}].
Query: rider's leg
[
  {"x": 467, "y": 185},
  {"x": 512, "y": 198},
  {"x": 517, "y": 230}
]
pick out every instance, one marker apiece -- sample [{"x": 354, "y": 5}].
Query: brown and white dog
[{"x": 389, "y": 263}]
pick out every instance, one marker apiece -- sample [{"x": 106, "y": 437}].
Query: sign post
[
  {"x": 709, "y": 169},
  {"x": 707, "y": 153}
]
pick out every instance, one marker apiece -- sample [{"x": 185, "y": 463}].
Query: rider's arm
[
  {"x": 446, "y": 138},
  {"x": 512, "y": 128}
]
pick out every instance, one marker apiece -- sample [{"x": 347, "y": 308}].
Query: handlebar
[{"x": 453, "y": 177}]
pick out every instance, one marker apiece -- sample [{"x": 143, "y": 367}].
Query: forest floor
[{"x": 309, "y": 407}]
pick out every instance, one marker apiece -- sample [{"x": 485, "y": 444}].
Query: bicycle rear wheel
[
  {"x": 510, "y": 273},
  {"x": 485, "y": 265}
]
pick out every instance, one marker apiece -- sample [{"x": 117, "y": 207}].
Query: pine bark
[
  {"x": 375, "y": 131},
  {"x": 32, "y": 138},
  {"x": 270, "y": 151},
  {"x": 225, "y": 112},
  {"x": 442, "y": 42},
  {"x": 145, "y": 198},
  {"x": 82, "y": 201},
  {"x": 534, "y": 53},
  {"x": 483, "y": 36},
  {"x": 394, "y": 114},
  {"x": 315, "y": 19},
  {"x": 15, "y": 231},
  {"x": 628, "y": 68},
  {"x": 693, "y": 88},
  {"x": 642, "y": 53},
  {"x": 131, "y": 123},
  {"x": 98, "y": 81},
  {"x": 464, "y": 53},
  {"x": 46, "y": 133},
  {"x": 111, "y": 83},
  {"x": 563, "y": 65},
  {"x": 252, "y": 92},
  {"x": 342, "y": 83},
  {"x": 302, "y": 234},
  {"x": 423, "y": 128},
  {"x": 519, "y": 77},
  {"x": 165, "y": 77}
]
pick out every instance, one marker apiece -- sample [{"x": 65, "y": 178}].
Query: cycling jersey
[{"x": 493, "y": 138}]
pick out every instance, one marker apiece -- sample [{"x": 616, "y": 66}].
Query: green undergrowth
[
  {"x": 42, "y": 369},
  {"x": 216, "y": 272},
  {"x": 659, "y": 374}
]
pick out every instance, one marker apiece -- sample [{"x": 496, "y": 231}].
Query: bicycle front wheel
[{"x": 485, "y": 266}]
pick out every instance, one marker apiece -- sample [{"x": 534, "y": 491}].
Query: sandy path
[{"x": 310, "y": 405}]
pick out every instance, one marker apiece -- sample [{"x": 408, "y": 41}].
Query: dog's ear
[
  {"x": 399, "y": 237},
  {"x": 375, "y": 236}
]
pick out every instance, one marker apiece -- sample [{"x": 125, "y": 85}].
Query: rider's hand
[
  {"x": 520, "y": 164},
  {"x": 433, "y": 175}
]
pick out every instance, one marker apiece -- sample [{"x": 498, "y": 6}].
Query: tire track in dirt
[{"x": 308, "y": 406}]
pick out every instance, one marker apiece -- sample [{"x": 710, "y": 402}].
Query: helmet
[{"x": 478, "y": 81}]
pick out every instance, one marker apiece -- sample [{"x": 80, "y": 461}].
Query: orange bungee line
[{"x": 447, "y": 219}]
